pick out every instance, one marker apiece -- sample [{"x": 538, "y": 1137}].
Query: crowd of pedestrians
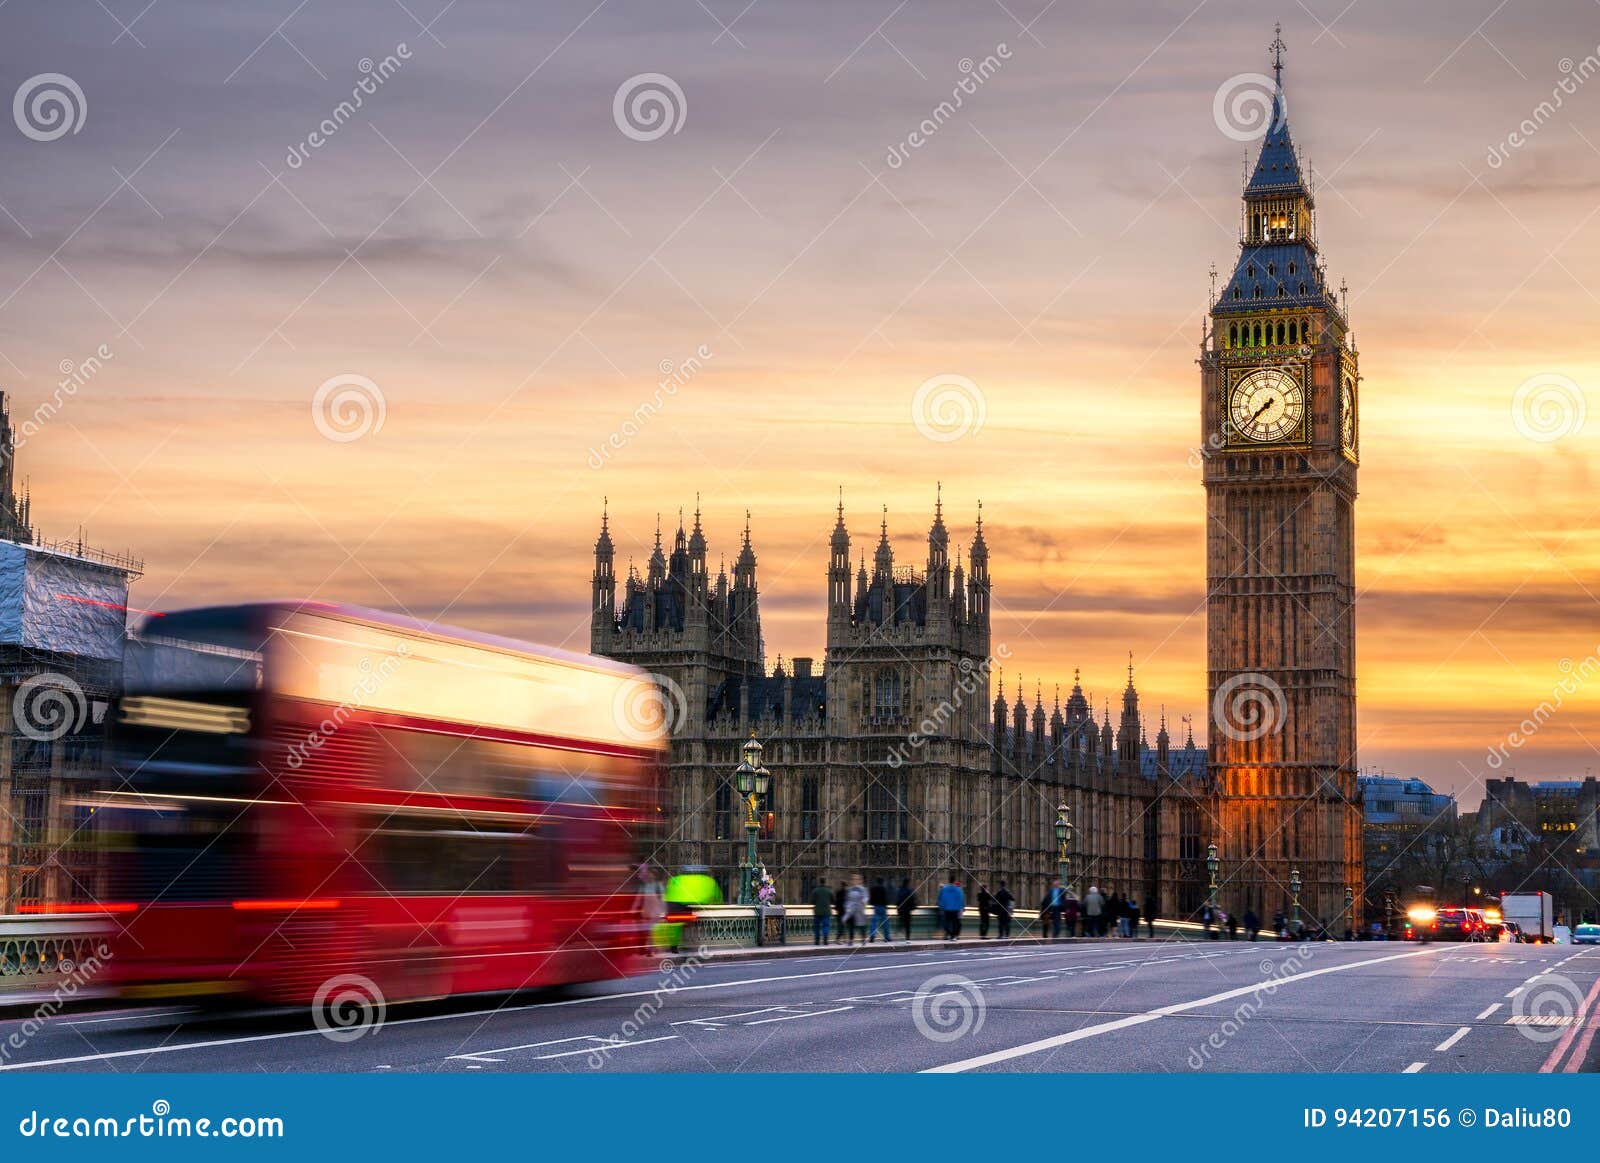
[{"x": 858, "y": 913}]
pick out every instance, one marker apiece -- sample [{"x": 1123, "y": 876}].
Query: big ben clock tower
[{"x": 1280, "y": 404}]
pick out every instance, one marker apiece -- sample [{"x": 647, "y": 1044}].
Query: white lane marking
[
  {"x": 131, "y": 1017},
  {"x": 606, "y": 1047},
  {"x": 1151, "y": 1015},
  {"x": 1514, "y": 992},
  {"x": 716, "y": 1020},
  {"x": 1452, "y": 1039},
  {"x": 483, "y": 1055},
  {"x": 176, "y": 1047},
  {"x": 1414, "y": 1068},
  {"x": 792, "y": 1017},
  {"x": 1487, "y": 1012}
]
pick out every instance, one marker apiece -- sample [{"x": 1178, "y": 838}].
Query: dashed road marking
[
  {"x": 1487, "y": 1012},
  {"x": 1415, "y": 1068},
  {"x": 1452, "y": 1039}
]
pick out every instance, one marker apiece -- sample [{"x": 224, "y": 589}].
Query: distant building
[
  {"x": 888, "y": 758},
  {"x": 1559, "y": 814},
  {"x": 63, "y": 611},
  {"x": 1398, "y": 815}
]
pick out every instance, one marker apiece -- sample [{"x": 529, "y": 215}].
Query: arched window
[
  {"x": 886, "y": 704},
  {"x": 1256, "y": 341},
  {"x": 1233, "y": 335},
  {"x": 1294, "y": 332},
  {"x": 1280, "y": 333}
]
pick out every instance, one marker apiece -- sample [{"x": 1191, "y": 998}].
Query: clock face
[
  {"x": 1267, "y": 406},
  {"x": 1347, "y": 414}
]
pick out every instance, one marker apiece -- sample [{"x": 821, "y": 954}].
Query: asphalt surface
[{"x": 1113, "y": 1005}]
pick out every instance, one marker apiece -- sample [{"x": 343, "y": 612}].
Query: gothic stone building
[{"x": 885, "y": 758}]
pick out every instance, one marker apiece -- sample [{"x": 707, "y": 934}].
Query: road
[{"x": 1113, "y": 1005}]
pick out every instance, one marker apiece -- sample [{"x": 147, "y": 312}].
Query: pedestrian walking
[
  {"x": 1133, "y": 917},
  {"x": 1206, "y": 919},
  {"x": 878, "y": 898},
  {"x": 1233, "y": 927},
  {"x": 821, "y": 912},
  {"x": 1094, "y": 907},
  {"x": 1252, "y": 924},
  {"x": 838, "y": 913},
  {"x": 905, "y": 903},
  {"x": 1150, "y": 919},
  {"x": 985, "y": 910},
  {"x": 1070, "y": 914},
  {"x": 952, "y": 903},
  {"x": 855, "y": 910},
  {"x": 1004, "y": 902},
  {"x": 1050, "y": 909}
]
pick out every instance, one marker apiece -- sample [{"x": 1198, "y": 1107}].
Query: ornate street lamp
[
  {"x": 1388, "y": 913},
  {"x": 1349, "y": 915},
  {"x": 1211, "y": 869},
  {"x": 1294, "y": 900},
  {"x": 752, "y": 780},
  {"x": 1064, "y": 844}
]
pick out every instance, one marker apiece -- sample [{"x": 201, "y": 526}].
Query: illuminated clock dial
[
  {"x": 1347, "y": 414},
  {"x": 1266, "y": 406}
]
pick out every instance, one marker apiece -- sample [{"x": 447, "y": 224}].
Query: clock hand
[{"x": 1263, "y": 408}]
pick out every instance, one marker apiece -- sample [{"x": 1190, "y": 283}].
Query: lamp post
[
  {"x": 752, "y": 780},
  {"x": 1388, "y": 913},
  {"x": 1465, "y": 881},
  {"x": 1294, "y": 900},
  {"x": 1064, "y": 844},
  {"x": 1211, "y": 869},
  {"x": 1349, "y": 915}
]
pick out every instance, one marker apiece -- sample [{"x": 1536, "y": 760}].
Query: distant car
[
  {"x": 1459, "y": 925},
  {"x": 1510, "y": 931},
  {"x": 1586, "y": 935}
]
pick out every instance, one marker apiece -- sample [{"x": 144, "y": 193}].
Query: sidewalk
[{"x": 1166, "y": 933}]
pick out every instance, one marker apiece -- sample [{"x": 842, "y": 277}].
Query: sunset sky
[{"x": 484, "y": 243}]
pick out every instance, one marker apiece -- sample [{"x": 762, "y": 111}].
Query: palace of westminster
[{"x": 890, "y": 759}]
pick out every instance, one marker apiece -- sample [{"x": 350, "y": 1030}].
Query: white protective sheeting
[{"x": 53, "y": 601}]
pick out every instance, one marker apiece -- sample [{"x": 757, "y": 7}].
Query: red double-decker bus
[{"x": 303, "y": 792}]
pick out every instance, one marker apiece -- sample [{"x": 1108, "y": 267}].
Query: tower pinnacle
[{"x": 1277, "y": 48}]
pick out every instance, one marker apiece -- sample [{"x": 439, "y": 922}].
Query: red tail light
[
  {"x": 679, "y": 918},
  {"x": 285, "y": 906},
  {"x": 119, "y": 907}
]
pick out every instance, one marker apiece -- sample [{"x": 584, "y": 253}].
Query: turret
[
  {"x": 978, "y": 584},
  {"x": 839, "y": 576},
  {"x": 603, "y": 607}
]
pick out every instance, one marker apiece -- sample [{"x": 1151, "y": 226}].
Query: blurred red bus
[{"x": 304, "y": 791}]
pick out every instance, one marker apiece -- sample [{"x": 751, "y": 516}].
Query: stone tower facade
[{"x": 1279, "y": 407}]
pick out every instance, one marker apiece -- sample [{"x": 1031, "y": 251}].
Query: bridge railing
[{"x": 40, "y": 952}]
